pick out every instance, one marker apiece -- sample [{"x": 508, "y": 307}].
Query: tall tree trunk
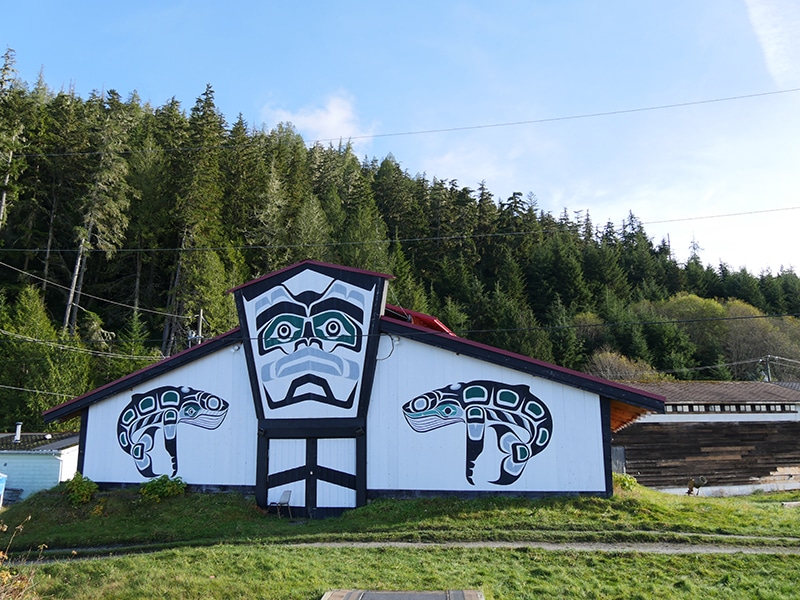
[
  {"x": 74, "y": 316},
  {"x": 138, "y": 281},
  {"x": 73, "y": 284},
  {"x": 170, "y": 322},
  {"x": 3, "y": 196},
  {"x": 50, "y": 235},
  {"x": 70, "y": 315}
]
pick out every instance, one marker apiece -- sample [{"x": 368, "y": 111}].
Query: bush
[
  {"x": 80, "y": 490},
  {"x": 623, "y": 481},
  {"x": 162, "y": 487}
]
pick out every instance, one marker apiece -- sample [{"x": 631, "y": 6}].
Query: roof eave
[
  {"x": 73, "y": 407},
  {"x": 603, "y": 387}
]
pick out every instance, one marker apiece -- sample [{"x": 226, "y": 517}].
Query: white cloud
[
  {"x": 336, "y": 120},
  {"x": 776, "y": 23}
]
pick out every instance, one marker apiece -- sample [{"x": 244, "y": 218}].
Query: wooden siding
[
  {"x": 35, "y": 471},
  {"x": 667, "y": 455}
]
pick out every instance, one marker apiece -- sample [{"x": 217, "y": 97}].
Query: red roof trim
[
  {"x": 76, "y": 404},
  {"x": 542, "y": 368},
  {"x": 311, "y": 263},
  {"x": 421, "y": 319}
]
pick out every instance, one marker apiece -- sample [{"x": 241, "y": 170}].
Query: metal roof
[
  {"x": 37, "y": 442},
  {"x": 722, "y": 392}
]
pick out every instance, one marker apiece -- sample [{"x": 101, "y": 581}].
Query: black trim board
[
  {"x": 605, "y": 428},
  {"x": 68, "y": 409},
  {"x": 469, "y": 494},
  {"x": 82, "y": 439},
  {"x": 589, "y": 383},
  {"x": 311, "y": 428}
]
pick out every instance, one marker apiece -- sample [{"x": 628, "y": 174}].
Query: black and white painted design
[
  {"x": 310, "y": 344},
  {"x": 163, "y": 409},
  {"x": 521, "y": 422}
]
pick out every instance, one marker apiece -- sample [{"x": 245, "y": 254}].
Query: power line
[
  {"x": 68, "y": 348},
  {"x": 738, "y": 214},
  {"x": 63, "y": 287},
  {"x": 21, "y": 389},
  {"x": 592, "y": 115},
  {"x": 441, "y": 238},
  {"x": 565, "y": 118}
]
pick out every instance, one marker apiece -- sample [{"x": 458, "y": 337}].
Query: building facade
[{"x": 327, "y": 391}]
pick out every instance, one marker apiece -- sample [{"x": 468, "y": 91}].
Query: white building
[
  {"x": 36, "y": 461},
  {"x": 327, "y": 391}
]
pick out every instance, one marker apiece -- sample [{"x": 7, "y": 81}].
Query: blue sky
[{"x": 350, "y": 69}]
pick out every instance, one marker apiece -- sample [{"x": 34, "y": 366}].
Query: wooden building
[
  {"x": 327, "y": 392},
  {"x": 736, "y": 436}
]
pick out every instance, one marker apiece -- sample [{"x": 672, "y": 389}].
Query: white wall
[
  {"x": 222, "y": 456},
  {"x": 400, "y": 458},
  {"x": 68, "y": 463}
]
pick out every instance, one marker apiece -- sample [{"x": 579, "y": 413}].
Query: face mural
[
  {"x": 161, "y": 410},
  {"x": 311, "y": 342},
  {"x": 522, "y": 424}
]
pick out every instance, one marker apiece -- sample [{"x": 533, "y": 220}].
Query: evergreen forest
[{"x": 123, "y": 226}]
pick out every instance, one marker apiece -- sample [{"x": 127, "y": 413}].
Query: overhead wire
[
  {"x": 83, "y": 294},
  {"x": 439, "y": 238},
  {"x": 78, "y": 349},
  {"x": 591, "y": 115},
  {"x": 21, "y": 389}
]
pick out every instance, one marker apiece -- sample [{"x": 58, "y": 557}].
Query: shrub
[
  {"x": 80, "y": 490},
  {"x": 162, "y": 487},
  {"x": 623, "y": 481}
]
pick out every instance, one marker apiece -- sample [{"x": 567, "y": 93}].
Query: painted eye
[
  {"x": 285, "y": 331},
  {"x": 213, "y": 403},
  {"x": 333, "y": 328},
  {"x": 448, "y": 410},
  {"x": 419, "y": 404}
]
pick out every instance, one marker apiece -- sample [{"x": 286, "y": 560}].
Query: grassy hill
[{"x": 120, "y": 545}]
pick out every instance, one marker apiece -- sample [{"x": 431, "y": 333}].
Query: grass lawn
[{"x": 223, "y": 546}]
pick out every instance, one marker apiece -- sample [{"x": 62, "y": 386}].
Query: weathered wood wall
[{"x": 667, "y": 455}]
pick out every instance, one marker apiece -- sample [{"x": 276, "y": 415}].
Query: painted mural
[
  {"x": 162, "y": 409},
  {"x": 311, "y": 343},
  {"x": 521, "y": 422}
]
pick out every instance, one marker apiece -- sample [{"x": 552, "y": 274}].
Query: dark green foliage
[
  {"x": 80, "y": 490},
  {"x": 133, "y": 223},
  {"x": 162, "y": 487}
]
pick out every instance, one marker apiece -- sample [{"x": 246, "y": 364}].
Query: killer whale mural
[
  {"x": 521, "y": 422},
  {"x": 163, "y": 409},
  {"x": 338, "y": 398}
]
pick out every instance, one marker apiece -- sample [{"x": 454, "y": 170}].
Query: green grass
[
  {"x": 223, "y": 546},
  {"x": 303, "y": 573}
]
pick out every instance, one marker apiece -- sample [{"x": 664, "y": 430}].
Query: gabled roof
[
  {"x": 722, "y": 392},
  {"x": 76, "y": 405},
  {"x": 37, "y": 442},
  {"x": 627, "y": 403},
  {"x": 309, "y": 263}
]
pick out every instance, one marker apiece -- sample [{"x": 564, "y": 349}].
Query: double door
[{"x": 325, "y": 474}]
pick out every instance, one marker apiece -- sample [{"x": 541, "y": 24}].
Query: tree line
[{"x": 123, "y": 226}]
